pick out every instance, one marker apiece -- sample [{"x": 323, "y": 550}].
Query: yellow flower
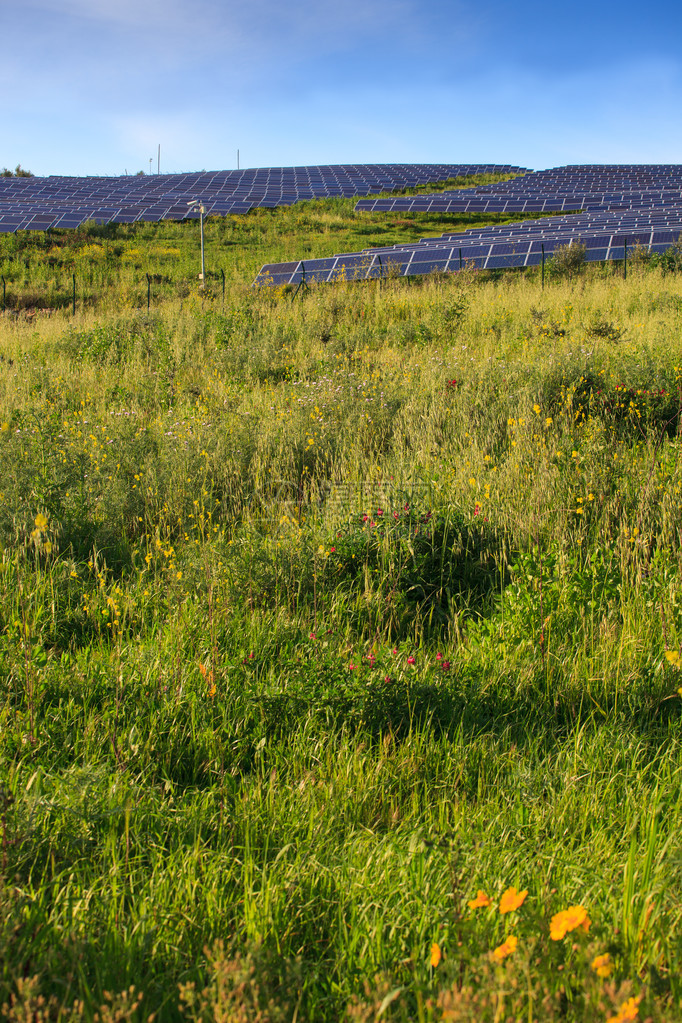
[
  {"x": 436, "y": 955},
  {"x": 603, "y": 965},
  {"x": 41, "y": 521},
  {"x": 567, "y": 920},
  {"x": 480, "y": 900},
  {"x": 536, "y": 410},
  {"x": 673, "y": 657},
  {"x": 511, "y": 900},
  {"x": 628, "y": 1011},
  {"x": 4, "y": 427},
  {"x": 506, "y": 948}
]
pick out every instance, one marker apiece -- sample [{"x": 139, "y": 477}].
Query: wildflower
[
  {"x": 536, "y": 409},
  {"x": 673, "y": 657},
  {"x": 511, "y": 900},
  {"x": 481, "y": 900},
  {"x": 311, "y": 635},
  {"x": 603, "y": 965},
  {"x": 351, "y": 666},
  {"x": 439, "y": 656},
  {"x": 477, "y": 509},
  {"x": 445, "y": 665},
  {"x": 628, "y": 1011},
  {"x": 411, "y": 660},
  {"x": 40, "y": 521},
  {"x": 436, "y": 955},
  {"x": 506, "y": 948},
  {"x": 380, "y": 511},
  {"x": 567, "y": 920}
]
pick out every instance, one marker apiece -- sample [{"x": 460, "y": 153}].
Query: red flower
[{"x": 411, "y": 660}]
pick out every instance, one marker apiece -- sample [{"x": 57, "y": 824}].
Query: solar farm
[
  {"x": 341, "y": 596},
  {"x": 41, "y": 204},
  {"x": 604, "y": 208}
]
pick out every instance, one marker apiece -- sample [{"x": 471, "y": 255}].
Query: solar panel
[{"x": 158, "y": 197}]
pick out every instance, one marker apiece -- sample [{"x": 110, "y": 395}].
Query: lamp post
[{"x": 202, "y": 209}]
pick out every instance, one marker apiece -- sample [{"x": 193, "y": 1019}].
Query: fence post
[
  {"x": 460, "y": 259},
  {"x": 542, "y": 246},
  {"x": 222, "y": 273},
  {"x": 73, "y": 293},
  {"x": 149, "y": 290}
]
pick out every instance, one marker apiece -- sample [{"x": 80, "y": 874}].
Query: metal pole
[
  {"x": 222, "y": 273},
  {"x": 73, "y": 280},
  {"x": 460, "y": 259},
  {"x": 542, "y": 246},
  {"x": 625, "y": 260},
  {"x": 149, "y": 290},
  {"x": 201, "y": 219}
]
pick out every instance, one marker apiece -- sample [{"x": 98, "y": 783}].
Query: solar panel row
[
  {"x": 615, "y": 207},
  {"x": 56, "y": 202}
]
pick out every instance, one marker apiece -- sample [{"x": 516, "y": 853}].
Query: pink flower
[
  {"x": 394, "y": 651},
  {"x": 387, "y": 678},
  {"x": 411, "y": 660},
  {"x": 439, "y": 656},
  {"x": 311, "y": 635},
  {"x": 332, "y": 550},
  {"x": 395, "y": 515},
  {"x": 365, "y": 518},
  {"x": 380, "y": 511},
  {"x": 445, "y": 665},
  {"x": 351, "y": 666}
]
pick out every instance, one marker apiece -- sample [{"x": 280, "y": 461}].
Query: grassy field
[{"x": 340, "y": 637}]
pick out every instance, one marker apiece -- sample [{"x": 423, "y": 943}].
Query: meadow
[{"x": 341, "y": 636}]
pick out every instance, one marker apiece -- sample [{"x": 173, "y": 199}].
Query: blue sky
[{"x": 92, "y": 86}]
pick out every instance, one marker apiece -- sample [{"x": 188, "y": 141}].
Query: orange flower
[
  {"x": 480, "y": 900},
  {"x": 567, "y": 920},
  {"x": 511, "y": 900},
  {"x": 436, "y": 955},
  {"x": 603, "y": 965},
  {"x": 506, "y": 948},
  {"x": 628, "y": 1011}
]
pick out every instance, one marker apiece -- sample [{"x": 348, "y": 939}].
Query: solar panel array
[
  {"x": 628, "y": 206},
  {"x": 54, "y": 202}
]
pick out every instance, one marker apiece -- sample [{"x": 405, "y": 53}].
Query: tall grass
[{"x": 319, "y": 617}]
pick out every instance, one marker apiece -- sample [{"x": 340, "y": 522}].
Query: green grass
[{"x": 319, "y": 617}]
